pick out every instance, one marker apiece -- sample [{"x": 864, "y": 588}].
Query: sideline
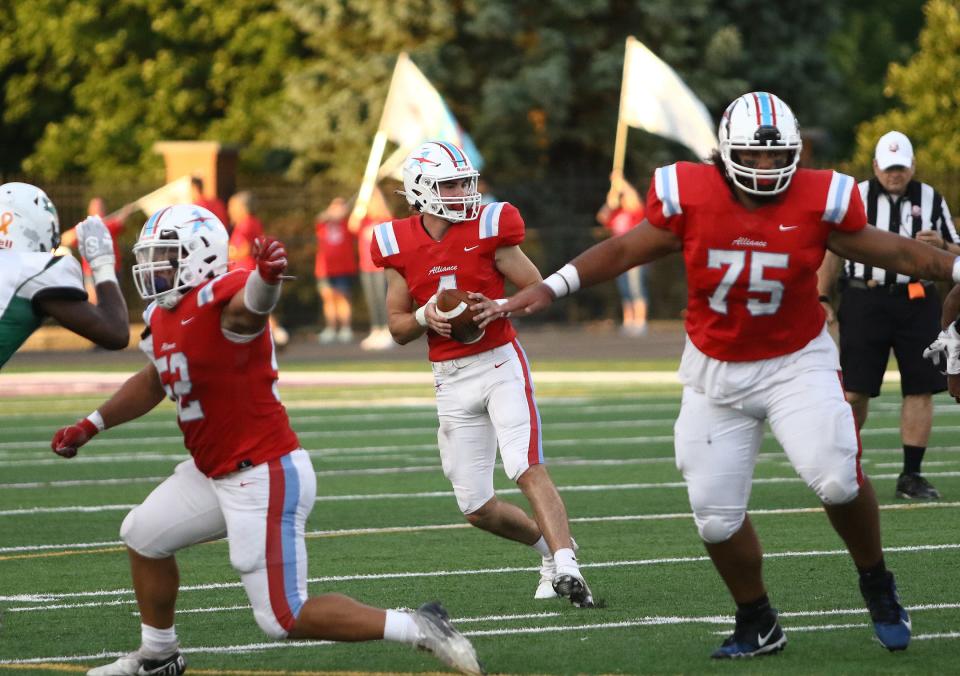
[{"x": 90, "y": 382}]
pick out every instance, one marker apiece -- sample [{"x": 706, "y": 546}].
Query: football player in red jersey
[
  {"x": 248, "y": 478},
  {"x": 753, "y": 229},
  {"x": 484, "y": 389}
]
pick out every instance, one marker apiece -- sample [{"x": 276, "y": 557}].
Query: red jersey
[
  {"x": 226, "y": 392},
  {"x": 752, "y": 275},
  {"x": 244, "y": 233},
  {"x": 335, "y": 252},
  {"x": 462, "y": 259},
  {"x": 364, "y": 238},
  {"x": 621, "y": 221}
]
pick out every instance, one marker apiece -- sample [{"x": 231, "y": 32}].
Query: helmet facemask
[{"x": 757, "y": 122}]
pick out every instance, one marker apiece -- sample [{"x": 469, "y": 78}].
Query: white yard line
[
  {"x": 44, "y": 598},
  {"x": 647, "y": 621},
  {"x": 353, "y": 453},
  {"x": 416, "y": 495}
]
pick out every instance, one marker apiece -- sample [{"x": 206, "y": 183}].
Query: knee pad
[
  {"x": 717, "y": 528},
  {"x": 139, "y": 541},
  {"x": 833, "y": 490},
  {"x": 268, "y": 624}
]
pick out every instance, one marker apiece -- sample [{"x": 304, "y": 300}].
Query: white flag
[
  {"x": 175, "y": 192},
  {"x": 655, "y": 99},
  {"x": 415, "y": 112}
]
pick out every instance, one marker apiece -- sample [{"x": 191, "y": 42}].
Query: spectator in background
[
  {"x": 373, "y": 280},
  {"x": 245, "y": 229},
  {"x": 335, "y": 269},
  {"x": 621, "y": 213},
  {"x": 213, "y": 204},
  {"x": 114, "y": 223}
]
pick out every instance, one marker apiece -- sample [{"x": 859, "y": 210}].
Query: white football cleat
[
  {"x": 138, "y": 663},
  {"x": 545, "y": 587},
  {"x": 447, "y": 644}
]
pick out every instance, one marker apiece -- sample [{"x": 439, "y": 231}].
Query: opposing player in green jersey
[{"x": 35, "y": 283}]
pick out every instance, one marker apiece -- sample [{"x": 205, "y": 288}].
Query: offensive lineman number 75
[{"x": 758, "y": 261}]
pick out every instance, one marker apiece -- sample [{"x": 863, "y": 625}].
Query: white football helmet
[
  {"x": 759, "y": 121},
  {"x": 28, "y": 219},
  {"x": 178, "y": 248},
  {"x": 431, "y": 164}
]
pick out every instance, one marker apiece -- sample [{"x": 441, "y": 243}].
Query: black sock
[
  {"x": 873, "y": 573},
  {"x": 912, "y": 457},
  {"x": 753, "y": 608}
]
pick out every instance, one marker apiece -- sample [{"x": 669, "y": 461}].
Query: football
[{"x": 453, "y": 305}]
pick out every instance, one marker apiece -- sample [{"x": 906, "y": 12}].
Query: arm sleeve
[{"x": 59, "y": 277}]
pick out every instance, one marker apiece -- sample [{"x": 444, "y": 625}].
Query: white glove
[
  {"x": 944, "y": 352},
  {"x": 96, "y": 247}
]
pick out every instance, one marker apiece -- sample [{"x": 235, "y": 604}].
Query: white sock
[
  {"x": 542, "y": 547},
  {"x": 565, "y": 558},
  {"x": 159, "y": 642},
  {"x": 400, "y": 627}
]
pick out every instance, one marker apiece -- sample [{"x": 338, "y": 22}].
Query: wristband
[
  {"x": 94, "y": 419},
  {"x": 956, "y": 270},
  {"x": 104, "y": 273},
  {"x": 565, "y": 281},
  {"x": 502, "y": 301},
  {"x": 258, "y": 296},
  {"x": 421, "y": 314},
  {"x": 824, "y": 299}
]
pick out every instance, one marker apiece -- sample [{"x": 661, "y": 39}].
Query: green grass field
[{"x": 386, "y": 530}]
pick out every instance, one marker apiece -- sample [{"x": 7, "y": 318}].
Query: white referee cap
[{"x": 894, "y": 150}]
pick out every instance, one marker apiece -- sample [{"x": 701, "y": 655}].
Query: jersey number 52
[
  {"x": 757, "y": 261},
  {"x": 177, "y": 385}
]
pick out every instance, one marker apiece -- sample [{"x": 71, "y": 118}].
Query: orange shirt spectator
[
  {"x": 246, "y": 228},
  {"x": 212, "y": 204}
]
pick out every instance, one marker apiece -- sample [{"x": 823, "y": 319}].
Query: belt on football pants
[{"x": 892, "y": 289}]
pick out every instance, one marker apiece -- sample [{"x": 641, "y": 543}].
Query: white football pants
[
  {"x": 484, "y": 400},
  {"x": 263, "y": 512}
]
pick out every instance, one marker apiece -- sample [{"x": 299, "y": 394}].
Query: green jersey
[{"x": 27, "y": 277}]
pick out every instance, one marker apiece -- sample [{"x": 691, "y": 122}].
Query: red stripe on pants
[
  {"x": 278, "y": 596},
  {"x": 533, "y": 449}
]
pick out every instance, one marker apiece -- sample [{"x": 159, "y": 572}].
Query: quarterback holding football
[{"x": 482, "y": 377}]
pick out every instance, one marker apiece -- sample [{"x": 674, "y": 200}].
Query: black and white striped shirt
[{"x": 920, "y": 208}]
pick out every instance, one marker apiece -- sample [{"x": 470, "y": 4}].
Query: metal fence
[{"x": 559, "y": 215}]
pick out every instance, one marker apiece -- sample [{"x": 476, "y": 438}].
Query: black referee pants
[{"x": 875, "y": 320}]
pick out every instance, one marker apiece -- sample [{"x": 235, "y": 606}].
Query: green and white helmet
[{"x": 28, "y": 219}]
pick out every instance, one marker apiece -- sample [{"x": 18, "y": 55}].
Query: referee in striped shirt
[{"x": 880, "y": 310}]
